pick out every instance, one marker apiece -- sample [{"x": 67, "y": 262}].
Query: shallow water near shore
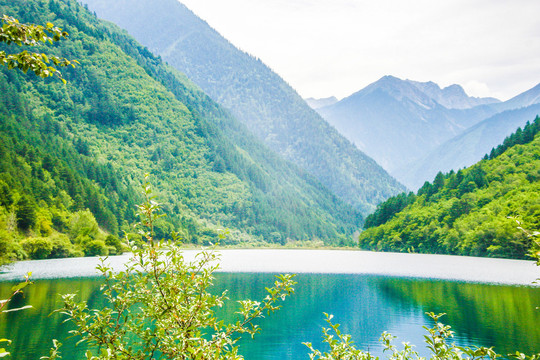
[{"x": 298, "y": 261}]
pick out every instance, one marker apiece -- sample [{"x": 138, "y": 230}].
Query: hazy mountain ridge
[
  {"x": 468, "y": 147},
  {"x": 527, "y": 98},
  {"x": 268, "y": 106},
  {"x": 400, "y": 122},
  {"x": 394, "y": 121},
  {"x": 451, "y": 97},
  {"x": 322, "y": 102}
]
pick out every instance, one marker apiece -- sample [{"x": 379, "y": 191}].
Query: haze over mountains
[
  {"x": 396, "y": 122},
  {"x": 468, "y": 147},
  {"x": 256, "y": 95},
  {"x": 319, "y": 103},
  {"x": 400, "y": 122}
]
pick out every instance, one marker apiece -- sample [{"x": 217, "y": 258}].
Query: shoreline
[{"x": 298, "y": 261}]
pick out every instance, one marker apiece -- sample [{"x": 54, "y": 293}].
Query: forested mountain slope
[
  {"x": 268, "y": 106},
  {"x": 123, "y": 113},
  {"x": 469, "y": 212}
]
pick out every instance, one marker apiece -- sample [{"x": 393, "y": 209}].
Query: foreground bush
[
  {"x": 437, "y": 342},
  {"x": 160, "y": 307}
]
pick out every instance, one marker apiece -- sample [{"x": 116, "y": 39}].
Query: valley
[{"x": 166, "y": 175}]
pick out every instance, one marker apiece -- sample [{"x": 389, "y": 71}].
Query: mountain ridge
[
  {"x": 468, "y": 147},
  {"x": 394, "y": 121},
  {"x": 322, "y": 102},
  {"x": 452, "y": 96},
  {"x": 400, "y": 122},
  {"x": 257, "y": 96}
]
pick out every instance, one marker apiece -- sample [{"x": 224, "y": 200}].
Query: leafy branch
[
  {"x": 17, "y": 289},
  {"x": 13, "y": 32},
  {"x": 160, "y": 307},
  {"x": 437, "y": 342}
]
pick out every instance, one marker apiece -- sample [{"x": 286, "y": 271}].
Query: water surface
[{"x": 365, "y": 302}]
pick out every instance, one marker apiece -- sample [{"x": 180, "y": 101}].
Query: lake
[{"x": 489, "y": 302}]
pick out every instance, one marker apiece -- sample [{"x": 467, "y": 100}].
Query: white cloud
[
  {"x": 478, "y": 89},
  {"x": 325, "y": 48}
]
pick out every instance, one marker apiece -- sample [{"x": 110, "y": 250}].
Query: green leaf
[{"x": 19, "y": 286}]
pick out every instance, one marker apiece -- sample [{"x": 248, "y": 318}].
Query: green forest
[
  {"x": 74, "y": 155},
  {"x": 475, "y": 211}
]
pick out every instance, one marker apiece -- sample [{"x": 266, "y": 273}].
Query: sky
[{"x": 328, "y": 48}]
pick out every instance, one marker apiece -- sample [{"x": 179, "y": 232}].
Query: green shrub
[
  {"x": 95, "y": 248},
  {"x": 114, "y": 244},
  {"x": 437, "y": 341},
  {"x": 5, "y": 247},
  {"x": 38, "y": 248},
  {"x": 83, "y": 223},
  {"x": 135, "y": 239},
  {"x": 172, "y": 296},
  {"x": 63, "y": 248}
]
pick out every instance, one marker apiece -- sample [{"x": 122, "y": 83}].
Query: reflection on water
[
  {"x": 365, "y": 305},
  {"x": 499, "y": 316}
]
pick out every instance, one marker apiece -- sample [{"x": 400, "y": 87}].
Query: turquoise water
[{"x": 366, "y": 305}]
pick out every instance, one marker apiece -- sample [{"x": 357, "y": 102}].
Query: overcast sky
[{"x": 336, "y": 47}]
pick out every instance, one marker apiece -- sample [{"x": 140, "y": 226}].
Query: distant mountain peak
[
  {"x": 317, "y": 103},
  {"x": 454, "y": 89},
  {"x": 452, "y": 96},
  {"x": 398, "y": 89}
]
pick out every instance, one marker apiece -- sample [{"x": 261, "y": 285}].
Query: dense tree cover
[
  {"x": 76, "y": 152},
  {"x": 386, "y": 210},
  {"x": 46, "y": 187},
  {"x": 471, "y": 211},
  {"x": 521, "y": 136},
  {"x": 256, "y": 95}
]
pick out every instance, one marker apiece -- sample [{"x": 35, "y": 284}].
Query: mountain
[
  {"x": 319, "y": 103},
  {"x": 451, "y": 97},
  {"x": 73, "y": 156},
  {"x": 415, "y": 129},
  {"x": 398, "y": 121},
  {"x": 468, "y": 147},
  {"x": 256, "y": 95},
  {"x": 471, "y": 211},
  {"x": 527, "y": 98}
]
